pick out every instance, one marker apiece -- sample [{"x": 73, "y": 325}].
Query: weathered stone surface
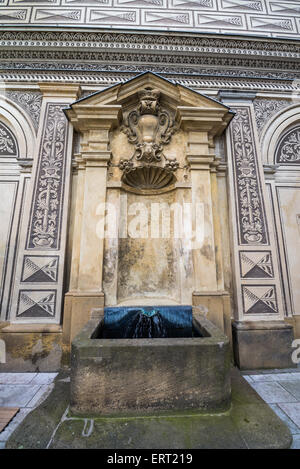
[
  {"x": 121, "y": 376},
  {"x": 32, "y": 351},
  {"x": 269, "y": 343},
  {"x": 36, "y": 430},
  {"x": 250, "y": 423}
]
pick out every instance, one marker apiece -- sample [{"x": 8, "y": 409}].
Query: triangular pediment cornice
[
  {"x": 190, "y": 107},
  {"x": 120, "y": 93}
]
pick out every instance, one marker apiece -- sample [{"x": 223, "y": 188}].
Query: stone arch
[
  {"x": 17, "y": 123},
  {"x": 280, "y": 125}
]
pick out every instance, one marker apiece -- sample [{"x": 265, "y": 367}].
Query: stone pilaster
[
  {"x": 39, "y": 277},
  {"x": 209, "y": 294},
  {"x": 259, "y": 312},
  {"x": 86, "y": 293}
]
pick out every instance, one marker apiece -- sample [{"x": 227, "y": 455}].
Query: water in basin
[{"x": 147, "y": 322}]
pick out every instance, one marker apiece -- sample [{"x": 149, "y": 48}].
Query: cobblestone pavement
[
  {"x": 24, "y": 390},
  {"x": 279, "y": 388}
]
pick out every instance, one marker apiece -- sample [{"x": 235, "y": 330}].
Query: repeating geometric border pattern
[
  {"x": 105, "y": 58},
  {"x": 265, "y": 17}
]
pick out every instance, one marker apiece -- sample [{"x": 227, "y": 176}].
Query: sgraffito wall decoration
[
  {"x": 30, "y": 101},
  {"x": 265, "y": 109},
  {"x": 8, "y": 143},
  {"x": 40, "y": 269},
  {"x": 269, "y": 17},
  {"x": 256, "y": 271},
  {"x": 259, "y": 299},
  {"x": 288, "y": 149},
  {"x": 250, "y": 204},
  {"x": 256, "y": 264},
  {"x": 38, "y": 303},
  {"x": 41, "y": 264},
  {"x": 44, "y": 231}
]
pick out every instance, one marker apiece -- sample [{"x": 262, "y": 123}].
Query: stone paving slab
[
  {"x": 41, "y": 395},
  {"x": 273, "y": 371},
  {"x": 44, "y": 378},
  {"x": 295, "y": 430},
  {"x": 250, "y": 423},
  {"x": 296, "y": 442},
  {"x": 293, "y": 411},
  {"x": 289, "y": 380},
  {"x": 273, "y": 377},
  {"x": 259, "y": 378},
  {"x": 20, "y": 396},
  {"x": 25, "y": 390},
  {"x": 293, "y": 387},
  {"x": 273, "y": 392},
  {"x": 16, "y": 378}
]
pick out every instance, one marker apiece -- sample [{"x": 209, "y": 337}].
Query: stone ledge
[{"x": 32, "y": 328}]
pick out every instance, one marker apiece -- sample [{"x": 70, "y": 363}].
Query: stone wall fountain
[
  {"x": 147, "y": 369},
  {"x": 144, "y": 350},
  {"x": 142, "y": 363}
]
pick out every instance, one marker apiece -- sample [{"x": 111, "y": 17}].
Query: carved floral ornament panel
[
  {"x": 8, "y": 143},
  {"x": 46, "y": 211},
  {"x": 250, "y": 205},
  {"x": 288, "y": 148}
]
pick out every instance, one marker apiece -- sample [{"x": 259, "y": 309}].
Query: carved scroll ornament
[{"x": 149, "y": 128}]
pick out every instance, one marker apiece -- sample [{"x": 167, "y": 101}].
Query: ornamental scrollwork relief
[
  {"x": 251, "y": 212},
  {"x": 8, "y": 144},
  {"x": 266, "y": 108},
  {"x": 31, "y": 102},
  {"x": 47, "y": 203},
  {"x": 288, "y": 149},
  {"x": 149, "y": 128}
]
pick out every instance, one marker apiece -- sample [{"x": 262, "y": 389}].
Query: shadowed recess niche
[{"x": 148, "y": 184}]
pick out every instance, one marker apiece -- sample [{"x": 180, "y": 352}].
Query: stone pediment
[
  {"x": 148, "y": 111},
  {"x": 189, "y": 106}
]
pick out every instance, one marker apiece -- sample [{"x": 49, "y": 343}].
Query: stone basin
[{"x": 145, "y": 376}]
